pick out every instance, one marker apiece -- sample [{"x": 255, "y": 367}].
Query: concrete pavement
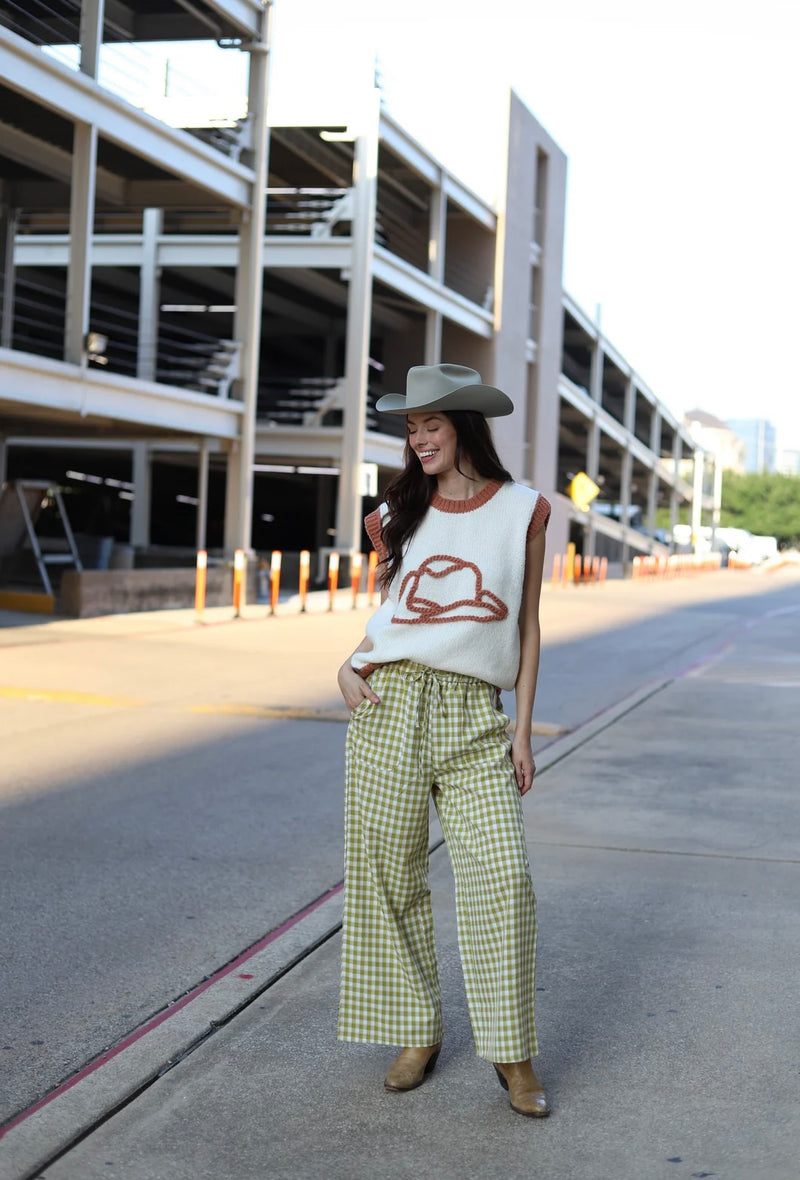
[{"x": 663, "y": 832}]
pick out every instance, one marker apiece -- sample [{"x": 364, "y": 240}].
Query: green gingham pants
[{"x": 440, "y": 734}]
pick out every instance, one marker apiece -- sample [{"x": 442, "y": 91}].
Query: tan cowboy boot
[
  {"x": 411, "y": 1067},
  {"x": 524, "y": 1088}
]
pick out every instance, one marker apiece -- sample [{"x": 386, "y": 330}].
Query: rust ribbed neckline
[{"x": 477, "y": 501}]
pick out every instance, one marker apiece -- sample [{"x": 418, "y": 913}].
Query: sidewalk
[{"x": 663, "y": 836}]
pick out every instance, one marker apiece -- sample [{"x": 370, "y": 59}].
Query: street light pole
[
  {"x": 717, "y": 508},
  {"x": 697, "y": 497}
]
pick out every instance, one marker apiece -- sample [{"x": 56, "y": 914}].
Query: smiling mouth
[{"x": 423, "y": 455}]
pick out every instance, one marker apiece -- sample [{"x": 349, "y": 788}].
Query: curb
[{"x": 71, "y": 1112}]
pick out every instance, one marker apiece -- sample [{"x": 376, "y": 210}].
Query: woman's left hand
[{"x": 522, "y": 760}]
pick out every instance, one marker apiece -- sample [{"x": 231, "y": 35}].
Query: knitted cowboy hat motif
[
  {"x": 447, "y": 590},
  {"x": 446, "y": 387}
]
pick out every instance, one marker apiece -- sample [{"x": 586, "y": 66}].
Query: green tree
[{"x": 767, "y": 505}]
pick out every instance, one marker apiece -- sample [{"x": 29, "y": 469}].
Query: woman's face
[{"x": 433, "y": 439}]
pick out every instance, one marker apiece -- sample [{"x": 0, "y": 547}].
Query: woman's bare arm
[{"x": 527, "y": 676}]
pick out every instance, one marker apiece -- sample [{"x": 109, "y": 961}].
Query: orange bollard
[
  {"x": 569, "y": 563},
  {"x": 200, "y": 583},
  {"x": 356, "y": 560},
  {"x": 577, "y": 568},
  {"x": 305, "y": 566},
  {"x": 603, "y": 568},
  {"x": 636, "y": 567},
  {"x": 556, "y": 568},
  {"x": 274, "y": 579},
  {"x": 595, "y": 569},
  {"x": 238, "y": 581},
  {"x": 372, "y": 566},
  {"x": 333, "y": 578}
]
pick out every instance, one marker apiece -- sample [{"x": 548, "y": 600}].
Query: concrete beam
[
  {"x": 54, "y": 162},
  {"x": 215, "y": 250},
  {"x": 420, "y": 288},
  {"x": 42, "y": 384},
  {"x": 299, "y": 444},
  {"x": 244, "y": 14},
  {"x": 46, "y": 81},
  {"x": 187, "y": 250}
]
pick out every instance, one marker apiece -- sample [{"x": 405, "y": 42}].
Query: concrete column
[
  {"x": 593, "y": 450},
  {"x": 82, "y": 195},
  {"x": 596, "y": 372},
  {"x": 437, "y": 245},
  {"x": 8, "y": 230},
  {"x": 149, "y": 295},
  {"x": 202, "y": 495},
  {"x": 249, "y": 300},
  {"x": 652, "y": 501},
  {"x": 626, "y": 476},
  {"x": 81, "y": 229},
  {"x": 437, "y": 239},
  {"x": 592, "y": 470},
  {"x": 655, "y": 432},
  {"x": 433, "y": 337},
  {"x": 91, "y": 36},
  {"x": 232, "y": 481},
  {"x": 630, "y": 406},
  {"x": 359, "y": 322},
  {"x": 142, "y": 480},
  {"x": 652, "y": 484}
]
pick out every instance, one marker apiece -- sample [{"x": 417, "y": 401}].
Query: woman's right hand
[{"x": 354, "y": 688}]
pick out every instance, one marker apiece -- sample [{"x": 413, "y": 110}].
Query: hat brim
[{"x": 485, "y": 399}]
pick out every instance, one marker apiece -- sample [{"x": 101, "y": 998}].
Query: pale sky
[{"x": 679, "y": 121}]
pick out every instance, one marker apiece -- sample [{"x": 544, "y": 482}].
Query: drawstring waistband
[{"x": 413, "y": 671}]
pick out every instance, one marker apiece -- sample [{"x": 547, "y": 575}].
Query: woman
[{"x": 462, "y": 548}]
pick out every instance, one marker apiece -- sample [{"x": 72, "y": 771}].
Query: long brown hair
[{"x": 409, "y": 494}]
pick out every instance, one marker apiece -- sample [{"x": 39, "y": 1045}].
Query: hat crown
[
  {"x": 426, "y": 383},
  {"x": 446, "y": 387}
]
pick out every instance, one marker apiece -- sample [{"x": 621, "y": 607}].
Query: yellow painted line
[
  {"x": 61, "y": 697},
  {"x": 547, "y": 729},
  {"x": 279, "y": 713},
  {"x": 297, "y": 713},
  {"x": 27, "y": 601},
  {"x": 266, "y": 712}
]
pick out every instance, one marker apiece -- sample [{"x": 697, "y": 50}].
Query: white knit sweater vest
[{"x": 455, "y": 603}]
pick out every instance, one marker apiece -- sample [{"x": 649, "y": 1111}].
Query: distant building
[
  {"x": 717, "y": 437},
  {"x": 758, "y": 436},
  {"x": 788, "y": 461}
]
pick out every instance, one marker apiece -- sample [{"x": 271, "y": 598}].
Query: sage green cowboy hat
[{"x": 446, "y": 387}]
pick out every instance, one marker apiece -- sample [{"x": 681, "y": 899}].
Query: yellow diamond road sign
[{"x": 582, "y": 491}]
